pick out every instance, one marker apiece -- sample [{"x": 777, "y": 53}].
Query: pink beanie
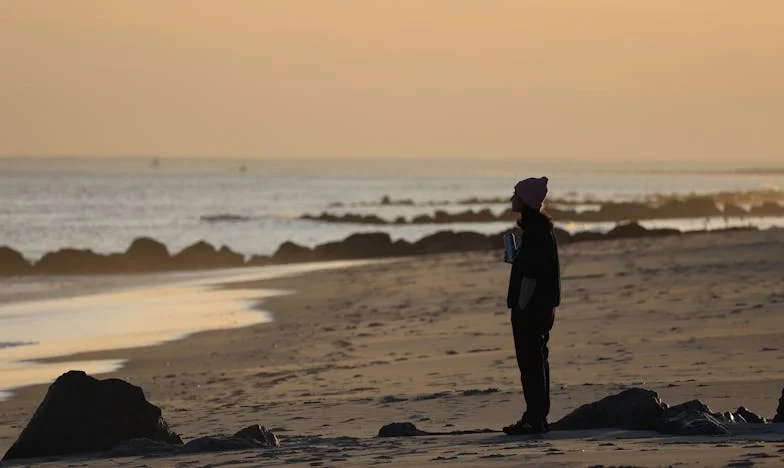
[{"x": 532, "y": 191}]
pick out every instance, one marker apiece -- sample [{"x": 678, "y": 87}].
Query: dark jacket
[{"x": 537, "y": 258}]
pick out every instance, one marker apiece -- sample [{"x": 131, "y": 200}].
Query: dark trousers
[{"x": 532, "y": 353}]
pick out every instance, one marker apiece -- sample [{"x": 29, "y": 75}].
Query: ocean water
[{"x": 103, "y": 205}]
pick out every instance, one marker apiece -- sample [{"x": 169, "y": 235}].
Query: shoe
[{"x": 524, "y": 427}]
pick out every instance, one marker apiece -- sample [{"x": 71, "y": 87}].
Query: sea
[{"x": 102, "y": 204}]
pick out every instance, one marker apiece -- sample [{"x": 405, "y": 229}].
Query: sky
[{"x": 609, "y": 80}]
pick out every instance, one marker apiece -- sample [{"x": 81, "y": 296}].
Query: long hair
[{"x": 529, "y": 215}]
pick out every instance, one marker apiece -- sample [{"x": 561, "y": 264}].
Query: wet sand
[{"x": 427, "y": 340}]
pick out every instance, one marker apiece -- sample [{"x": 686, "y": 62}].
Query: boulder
[
  {"x": 72, "y": 261},
  {"x": 252, "y": 437},
  {"x": 779, "y": 418},
  {"x": 227, "y": 258},
  {"x": 13, "y": 263},
  {"x": 82, "y": 414},
  {"x": 736, "y": 211},
  {"x": 634, "y": 408},
  {"x": 202, "y": 255},
  {"x": 258, "y": 433},
  {"x": 696, "y": 207},
  {"x": 623, "y": 211},
  {"x": 146, "y": 254},
  {"x": 749, "y": 416},
  {"x": 692, "y": 418},
  {"x": 368, "y": 245},
  {"x": 405, "y": 429},
  {"x": 289, "y": 252},
  {"x": 767, "y": 209},
  {"x": 450, "y": 241},
  {"x": 587, "y": 236}
]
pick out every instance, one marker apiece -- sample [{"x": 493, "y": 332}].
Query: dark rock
[
  {"x": 203, "y": 255},
  {"x": 692, "y": 418},
  {"x": 635, "y": 408},
  {"x": 406, "y": 429},
  {"x": 450, "y": 241},
  {"x": 627, "y": 231},
  {"x": 696, "y": 207},
  {"x": 144, "y": 254},
  {"x": 258, "y": 433},
  {"x": 767, "y": 209},
  {"x": 82, "y": 414},
  {"x": 220, "y": 444},
  {"x": 364, "y": 245},
  {"x": 779, "y": 418},
  {"x": 289, "y": 252},
  {"x": 731, "y": 210},
  {"x": 13, "y": 263},
  {"x": 72, "y": 261},
  {"x": 619, "y": 212},
  {"x": 587, "y": 236},
  {"x": 227, "y": 258}
]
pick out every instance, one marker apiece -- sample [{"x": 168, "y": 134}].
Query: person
[{"x": 533, "y": 295}]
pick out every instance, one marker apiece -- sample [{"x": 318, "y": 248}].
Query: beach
[{"x": 427, "y": 340}]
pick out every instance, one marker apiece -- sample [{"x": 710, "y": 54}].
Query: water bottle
[{"x": 510, "y": 247}]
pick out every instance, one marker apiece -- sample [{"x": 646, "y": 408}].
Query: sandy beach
[{"x": 427, "y": 340}]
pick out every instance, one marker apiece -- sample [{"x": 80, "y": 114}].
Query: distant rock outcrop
[
  {"x": 146, "y": 254},
  {"x": 364, "y": 245},
  {"x": 13, "y": 263},
  {"x": 83, "y": 414},
  {"x": 202, "y": 255},
  {"x": 69, "y": 261}
]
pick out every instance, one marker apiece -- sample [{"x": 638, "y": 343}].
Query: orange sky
[{"x": 598, "y": 79}]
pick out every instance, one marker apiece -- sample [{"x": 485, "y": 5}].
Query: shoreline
[
  {"x": 35, "y": 360},
  {"x": 349, "y": 339}
]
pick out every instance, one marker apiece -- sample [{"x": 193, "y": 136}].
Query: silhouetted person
[{"x": 534, "y": 293}]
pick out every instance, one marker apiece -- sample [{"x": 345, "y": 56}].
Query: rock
[
  {"x": 202, "y": 255},
  {"x": 259, "y": 433},
  {"x": 220, "y": 444},
  {"x": 779, "y": 418},
  {"x": 450, "y": 241},
  {"x": 696, "y": 207},
  {"x": 736, "y": 211},
  {"x": 749, "y": 417},
  {"x": 252, "y": 437},
  {"x": 363, "y": 245},
  {"x": 627, "y": 231},
  {"x": 146, "y": 254},
  {"x": 13, "y": 263},
  {"x": 227, "y": 258},
  {"x": 72, "y": 261},
  {"x": 635, "y": 408},
  {"x": 692, "y": 418},
  {"x": 82, "y": 414},
  {"x": 587, "y": 236},
  {"x": 289, "y": 252},
  {"x": 405, "y": 429},
  {"x": 767, "y": 209}
]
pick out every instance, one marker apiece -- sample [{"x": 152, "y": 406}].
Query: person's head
[{"x": 528, "y": 199}]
